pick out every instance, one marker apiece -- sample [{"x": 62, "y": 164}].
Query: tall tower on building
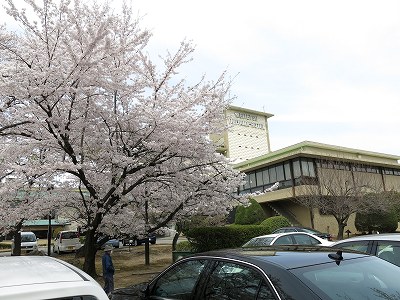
[{"x": 247, "y": 135}]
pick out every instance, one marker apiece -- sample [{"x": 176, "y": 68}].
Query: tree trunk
[
  {"x": 341, "y": 230},
  {"x": 89, "y": 265},
  {"x": 17, "y": 240},
  {"x": 175, "y": 240}
]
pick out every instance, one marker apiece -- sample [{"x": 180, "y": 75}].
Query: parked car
[
  {"x": 273, "y": 273},
  {"x": 288, "y": 238},
  {"x": 116, "y": 243},
  {"x": 137, "y": 241},
  {"x": 28, "y": 242},
  {"x": 385, "y": 246},
  {"x": 66, "y": 241},
  {"x": 44, "y": 277},
  {"x": 324, "y": 235}
]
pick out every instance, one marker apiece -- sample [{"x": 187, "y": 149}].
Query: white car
[
  {"x": 28, "y": 242},
  {"x": 44, "y": 277},
  {"x": 287, "y": 238},
  {"x": 66, "y": 241},
  {"x": 385, "y": 245}
]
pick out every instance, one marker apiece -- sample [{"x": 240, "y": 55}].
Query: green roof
[
  {"x": 313, "y": 149},
  {"x": 45, "y": 222}
]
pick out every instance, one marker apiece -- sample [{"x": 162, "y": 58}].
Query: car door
[
  {"x": 303, "y": 239},
  {"x": 284, "y": 240},
  {"x": 387, "y": 250},
  {"x": 178, "y": 282},
  {"x": 362, "y": 245},
  {"x": 235, "y": 281}
]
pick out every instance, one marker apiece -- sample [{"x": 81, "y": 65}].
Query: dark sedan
[
  {"x": 324, "y": 235},
  {"x": 137, "y": 241},
  {"x": 273, "y": 273}
]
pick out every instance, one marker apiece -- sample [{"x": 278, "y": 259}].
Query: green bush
[
  {"x": 253, "y": 214},
  {"x": 376, "y": 221},
  {"x": 5, "y": 245},
  {"x": 184, "y": 246},
  {"x": 276, "y": 222},
  {"x": 233, "y": 236}
]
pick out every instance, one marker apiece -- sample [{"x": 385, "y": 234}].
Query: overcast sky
[{"x": 329, "y": 71}]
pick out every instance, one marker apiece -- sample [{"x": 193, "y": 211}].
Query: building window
[
  {"x": 253, "y": 182},
  {"x": 280, "y": 175},
  {"x": 296, "y": 169},
  {"x": 288, "y": 175}
]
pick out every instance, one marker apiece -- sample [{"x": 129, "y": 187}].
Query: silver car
[
  {"x": 43, "y": 277},
  {"x": 385, "y": 246},
  {"x": 287, "y": 238}
]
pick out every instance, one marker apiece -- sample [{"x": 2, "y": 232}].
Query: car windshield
[
  {"x": 70, "y": 235},
  {"x": 357, "y": 279},
  {"x": 254, "y": 242},
  {"x": 28, "y": 238}
]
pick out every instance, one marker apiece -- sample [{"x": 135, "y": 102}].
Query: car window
[
  {"x": 258, "y": 242},
  {"x": 355, "y": 245},
  {"x": 389, "y": 251},
  {"x": 284, "y": 240},
  {"x": 70, "y": 235},
  {"x": 179, "y": 282},
  {"x": 28, "y": 238},
  {"x": 302, "y": 239},
  {"x": 233, "y": 281}
]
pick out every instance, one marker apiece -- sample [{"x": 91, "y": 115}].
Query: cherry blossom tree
[{"x": 129, "y": 138}]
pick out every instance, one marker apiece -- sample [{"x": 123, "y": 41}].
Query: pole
[{"x": 49, "y": 237}]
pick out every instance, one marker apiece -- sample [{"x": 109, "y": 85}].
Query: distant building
[
  {"x": 280, "y": 176},
  {"x": 247, "y": 135}
]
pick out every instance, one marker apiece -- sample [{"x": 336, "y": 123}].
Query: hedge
[
  {"x": 233, "y": 236},
  {"x": 276, "y": 222}
]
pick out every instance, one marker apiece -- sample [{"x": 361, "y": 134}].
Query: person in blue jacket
[{"x": 108, "y": 270}]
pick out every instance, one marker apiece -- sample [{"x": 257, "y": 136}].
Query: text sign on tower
[{"x": 245, "y": 119}]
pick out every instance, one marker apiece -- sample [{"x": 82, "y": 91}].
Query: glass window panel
[
  {"x": 355, "y": 245},
  {"x": 304, "y": 167},
  {"x": 266, "y": 176},
  {"x": 389, "y": 251},
  {"x": 179, "y": 282},
  {"x": 247, "y": 182},
  {"x": 287, "y": 171},
  {"x": 284, "y": 240},
  {"x": 303, "y": 239},
  {"x": 252, "y": 180},
  {"x": 296, "y": 169},
  {"x": 272, "y": 175},
  {"x": 259, "y": 177},
  {"x": 311, "y": 168},
  {"x": 280, "y": 176},
  {"x": 232, "y": 281}
]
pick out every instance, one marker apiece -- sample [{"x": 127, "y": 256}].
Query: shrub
[
  {"x": 376, "y": 221},
  {"x": 276, "y": 222},
  {"x": 185, "y": 246},
  {"x": 233, "y": 236},
  {"x": 253, "y": 214}
]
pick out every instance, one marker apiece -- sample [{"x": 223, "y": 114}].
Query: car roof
[
  {"x": 27, "y": 275},
  {"x": 299, "y": 227},
  {"x": 367, "y": 237},
  {"x": 287, "y": 257},
  {"x": 274, "y": 235}
]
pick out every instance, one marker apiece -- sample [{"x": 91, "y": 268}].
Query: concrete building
[
  {"x": 247, "y": 134},
  {"x": 282, "y": 177}
]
